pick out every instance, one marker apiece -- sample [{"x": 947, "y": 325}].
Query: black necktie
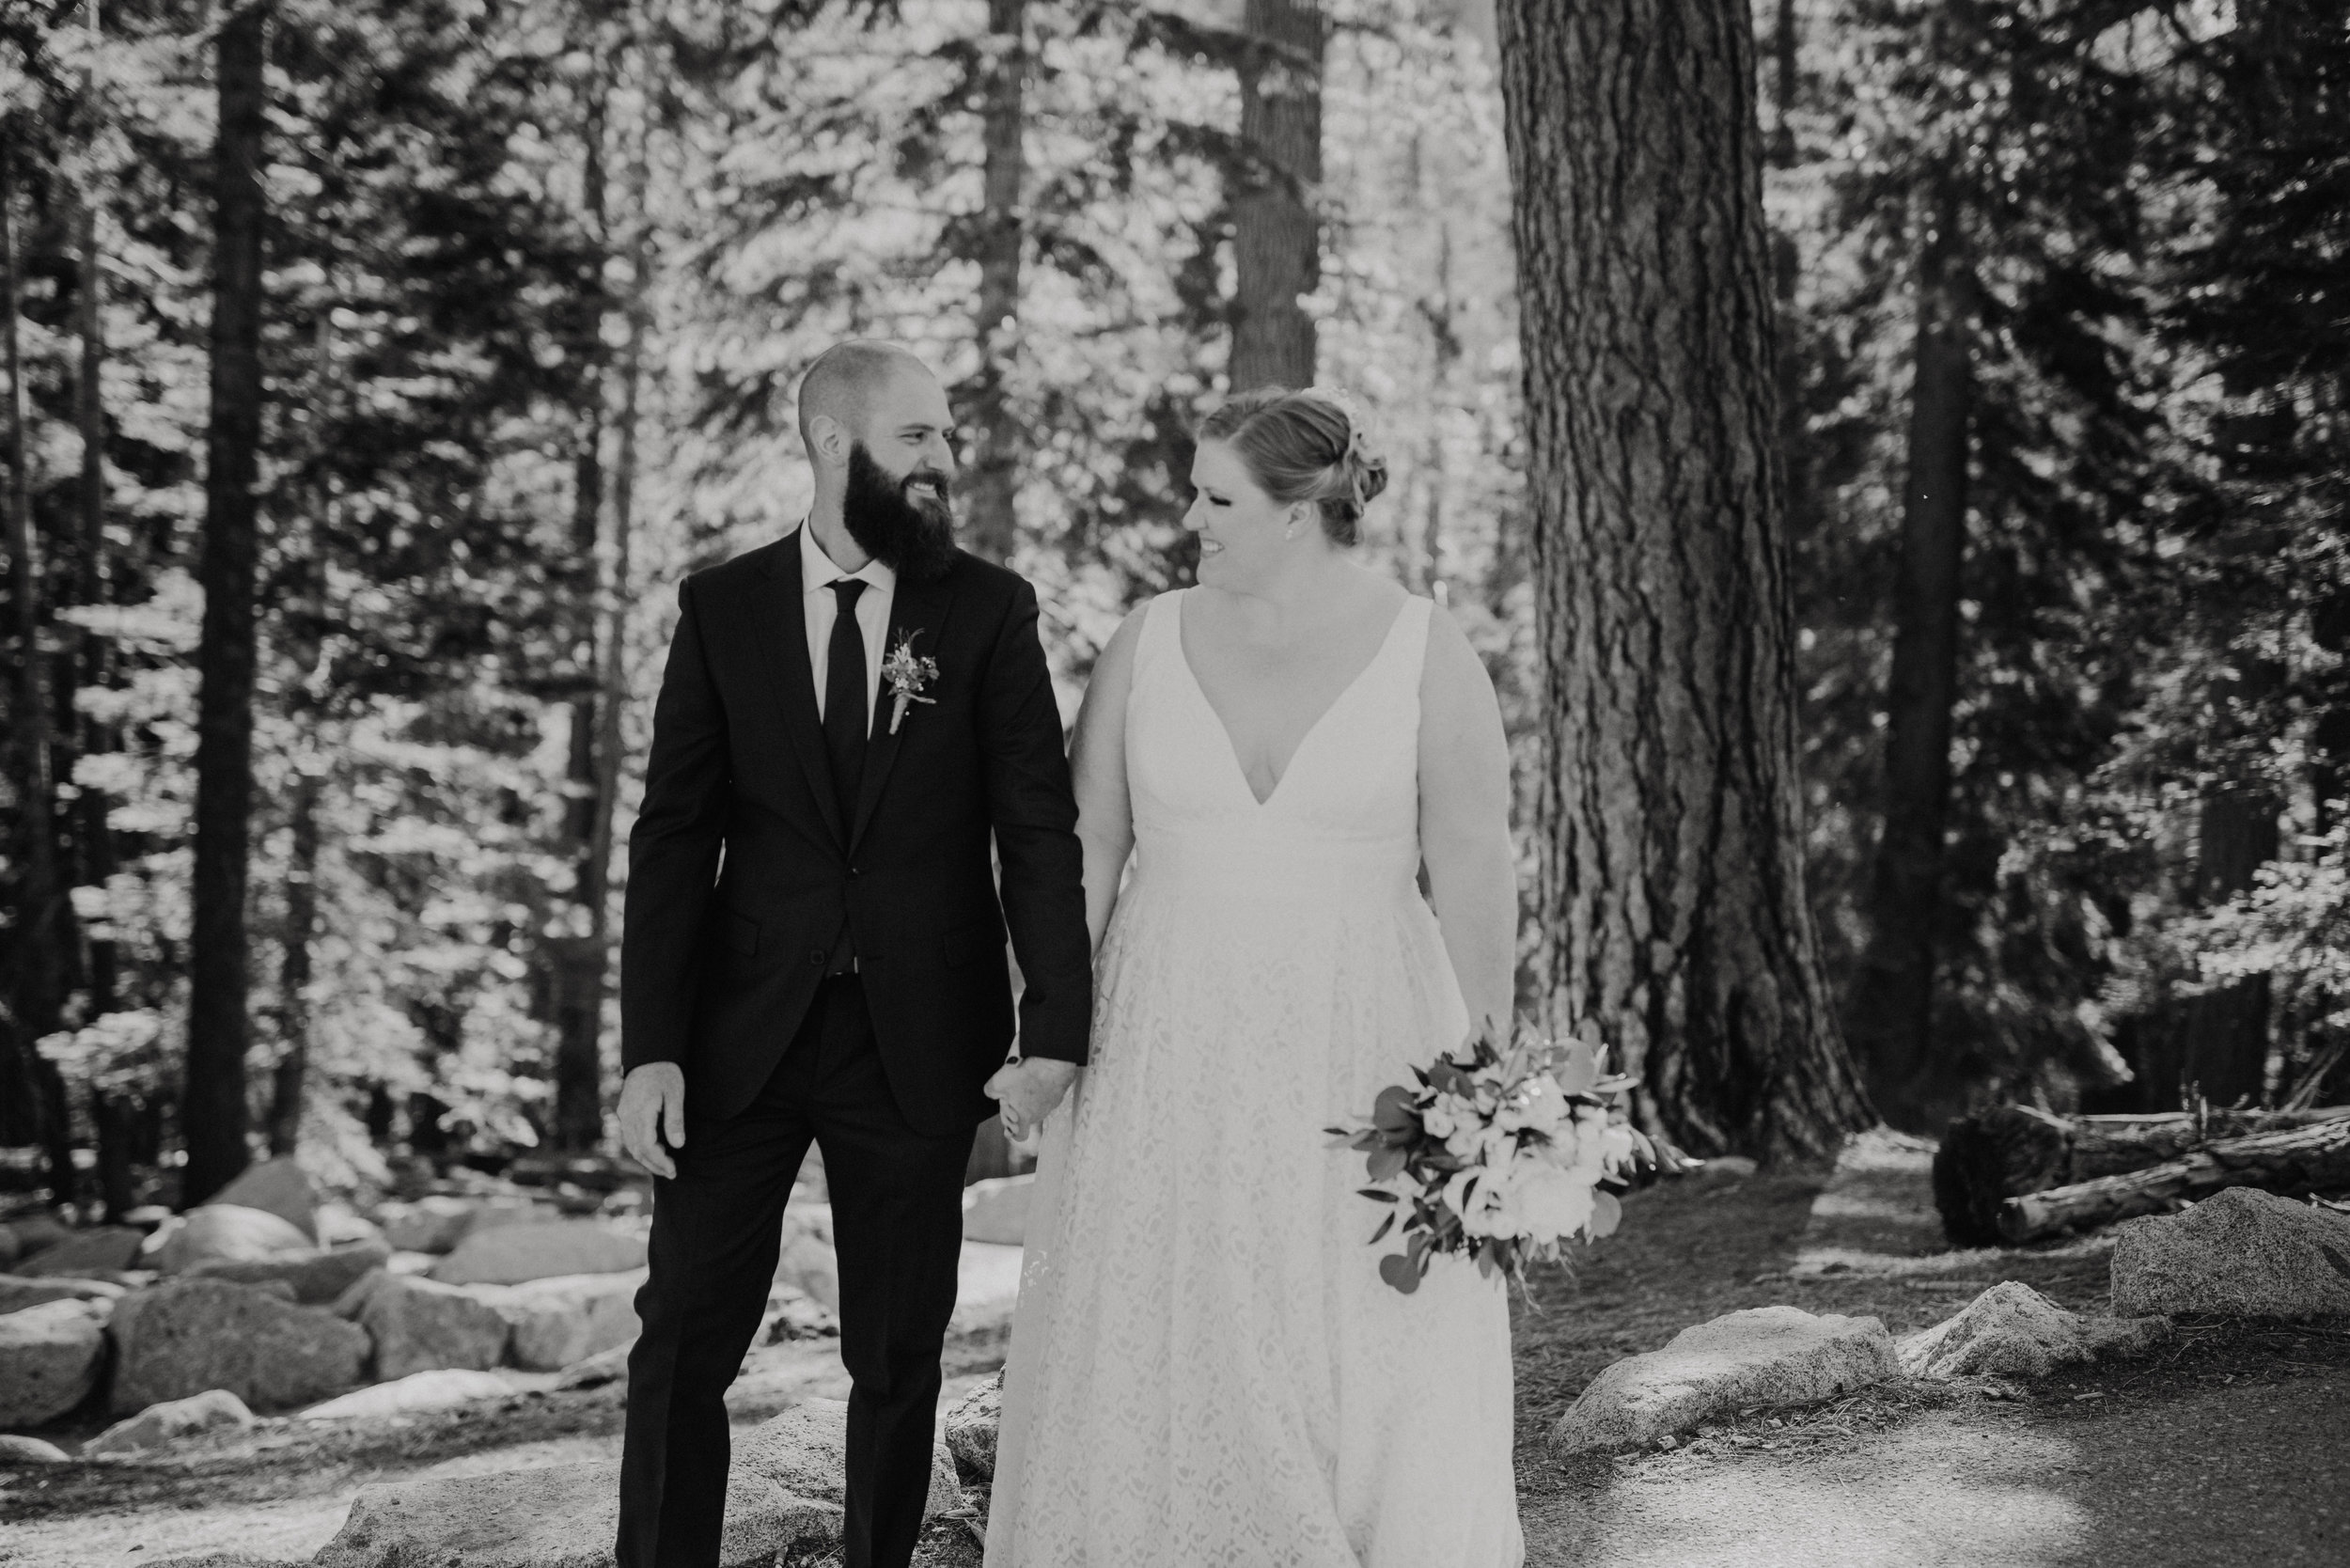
[{"x": 846, "y": 721}]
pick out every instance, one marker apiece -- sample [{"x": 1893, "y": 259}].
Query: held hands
[
  {"x": 652, "y": 1109},
  {"x": 1029, "y": 1089}
]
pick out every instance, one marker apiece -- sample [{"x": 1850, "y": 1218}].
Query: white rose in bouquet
[{"x": 1552, "y": 1204}]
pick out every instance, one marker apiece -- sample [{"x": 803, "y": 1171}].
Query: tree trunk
[
  {"x": 286, "y": 1086},
  {"x": 115, "y": 1117},
  {"x": 1670, "y": 893},
  {"x": 214, "y": 1117},
  {"x": 2290, "y": 1161},
  {"x": 2213, "y": 1046},
  {"x": 93, "y": 834},
  {"x": 39, "y": 945},
  {"x": 1890, "y": 1017},
  {"x": 1276, "y": 241},
  {"x": 2225, "y": 1031},
  {"x": 992, "y": 526},
  {"x": 578, "y": 956}
]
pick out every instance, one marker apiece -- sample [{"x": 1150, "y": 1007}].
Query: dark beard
[{"x": 912, "y": 538}]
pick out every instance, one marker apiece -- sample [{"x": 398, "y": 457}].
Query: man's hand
[
  {"x": 1029, "y": 1089},
  {"x": 652, "y": 1107}
]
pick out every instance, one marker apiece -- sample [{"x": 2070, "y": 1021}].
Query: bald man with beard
[{"x": 814, "y": 948}]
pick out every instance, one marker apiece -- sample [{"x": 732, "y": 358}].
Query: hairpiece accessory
[{"x": 1360, "y": 456}]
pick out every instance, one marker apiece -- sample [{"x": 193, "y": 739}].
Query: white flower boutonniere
[{"x": 908, "y": 674}]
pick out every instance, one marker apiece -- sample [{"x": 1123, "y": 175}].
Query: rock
[
  {"x": 806, "y": 1263},
  {"x": 86, "y": 1254},
  {"x": 316, "y": 1278},
  {"x": 35, "y": 1232},
  {"x": 1725, "y": 1168},
  {"x": 224, "y": 1559},
  {"x": 339, "y": 1225},
  {"x": 17, "y": 1292},
  {"x": 30, "y": 1451},
  {"x": 183, "y": 1336},
  {"x": 561, "y": 1516},
  {"x": 2238, "y": 1253},
  {"x": 48, "y": 1358},
  {"x": 987, "y": 1286},
  {"x": 804, "y": 1450},
  {"x": 221, "y": 1232},
  {"x": 442, "y": 1390},
  {"x": 997, "y": 1209},
  {"x": 1767, "y": 1355},
  {"x": 355, "y": 1295},
  {"x": 497, "y": 1212},
  {"x": 2011, "y": 1330},
  {"x": 427, "y": 1225},
  {"x": 172, "y": 1420},
  {"x": 512, "y": 1254},
  {"x": 609, "y": 1366},
  {"x": 418, "y": 1325},
  {"x": 568, "y": 1318},
  {"x": 971, "y": 1429},
  {"x": 794, "y": 1316},
  {"x": 279, "y": 1187}
]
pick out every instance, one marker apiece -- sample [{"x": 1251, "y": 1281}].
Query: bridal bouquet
[{"x": 1499, "y": 1153}]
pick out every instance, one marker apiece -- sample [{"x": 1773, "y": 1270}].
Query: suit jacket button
[
  {"x": 816, "y": 956},
  {"x": 856, "y": 871}
]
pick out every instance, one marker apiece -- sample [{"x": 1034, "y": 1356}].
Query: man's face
[
  {"x": 898, "y": 504},
  {"x": 907, "y": 427}
]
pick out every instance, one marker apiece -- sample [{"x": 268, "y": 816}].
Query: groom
[{"x": 814, "y": 948}]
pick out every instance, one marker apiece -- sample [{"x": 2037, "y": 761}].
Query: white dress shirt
[{"x": 816, "y": 576}]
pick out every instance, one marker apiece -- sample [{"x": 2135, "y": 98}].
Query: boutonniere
[{"x": 908, "y": 674}]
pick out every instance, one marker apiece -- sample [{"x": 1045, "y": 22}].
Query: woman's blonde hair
[{"x": 1308, "y": 445}]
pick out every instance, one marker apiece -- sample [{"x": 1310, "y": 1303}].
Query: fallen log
[
  {"x": 2010, "y": 1151},
  {"x": 2291, "y": 1161}
]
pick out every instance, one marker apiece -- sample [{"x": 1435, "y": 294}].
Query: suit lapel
[
  {"x": 916, "y": 611},
  {"x": 785, "y": 645}
]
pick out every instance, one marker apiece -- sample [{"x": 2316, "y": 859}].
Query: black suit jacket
[{"x": 743, "y": 865}]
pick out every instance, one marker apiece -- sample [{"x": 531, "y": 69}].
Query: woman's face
[{"x": 1241, "y": 530}]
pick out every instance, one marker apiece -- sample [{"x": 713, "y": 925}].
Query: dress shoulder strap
[
  {"x": 1410, "y": 636},
  {"x": 1161, "y": 627}
]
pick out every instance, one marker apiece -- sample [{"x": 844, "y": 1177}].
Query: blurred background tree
[{"x": 2049, "y": 412}]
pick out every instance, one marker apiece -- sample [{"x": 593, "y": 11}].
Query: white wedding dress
[{"x": 1206, "y": 1370}]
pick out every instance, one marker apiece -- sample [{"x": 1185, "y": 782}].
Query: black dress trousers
[{"x": 896, "y": 1205}]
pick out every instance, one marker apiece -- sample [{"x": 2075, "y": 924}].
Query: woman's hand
[{"x": 1028, "y": 1088}]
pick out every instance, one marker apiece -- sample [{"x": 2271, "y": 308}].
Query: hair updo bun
[{"x": 1311, "y": 445}]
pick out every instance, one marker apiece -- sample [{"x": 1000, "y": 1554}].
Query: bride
[{"x": 1206, "y": 1370}]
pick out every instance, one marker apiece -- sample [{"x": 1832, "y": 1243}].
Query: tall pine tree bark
[
  {"x": 94, "y": 840},
  {"x": 1889, "y": 1016},
  {"x": 213, "y": 1115},
  {"x": 39, "y": 970},
  {"x": 992, "y": 526},
  {"x": 1671, "y": 890},
  {"x": 1277, "y": 242},
  {"x": 579, "y": 956}
]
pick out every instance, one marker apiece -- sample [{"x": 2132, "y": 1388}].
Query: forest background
[{"x": 377, "y": 369}]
